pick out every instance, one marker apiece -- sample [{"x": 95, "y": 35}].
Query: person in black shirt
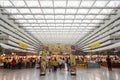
[{"x": 109, "y": 63}]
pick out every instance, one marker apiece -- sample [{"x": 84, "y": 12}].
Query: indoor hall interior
[{"x": 59, "y": 39}]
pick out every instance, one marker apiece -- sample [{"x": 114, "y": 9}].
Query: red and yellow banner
[{"x": 58, "y": 49}]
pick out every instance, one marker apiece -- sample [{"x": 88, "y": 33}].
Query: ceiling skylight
[{"x": 59, "y": 21}]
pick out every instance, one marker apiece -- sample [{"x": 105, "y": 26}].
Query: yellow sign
[
  {"x": 57, "y": 48},
  {"x": 44, "y": 53},
  {"x": 23, "y": 45},
  {"x": 55, "y": 53},
  {"x": 95, "y": 45}
]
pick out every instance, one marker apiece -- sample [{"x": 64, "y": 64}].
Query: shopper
[
  {"x": 49, "y": 65},
  {"x": 63, "y": 63},
  {"x": 52, "y": 64},
  {"x": 33, "y": 62},
  {"x": 5, "y": 63},
  {"x": 9, "y": 63},
  {"x": 13, "y": 63},
  {"x": 109, "y": 63},
  {"x": 55, "y": 64},
  {"x": 60, "y": 63},
  {"x": 19, "y": 63},
  {"x": 68, "y": 63}
]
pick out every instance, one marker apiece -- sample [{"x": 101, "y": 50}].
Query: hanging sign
[
  {"x": 23, "y": 45},
  {"x": 95, "y": 45}
]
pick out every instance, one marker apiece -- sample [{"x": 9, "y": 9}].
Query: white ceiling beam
[
  {"x": 59, "y": 23},
  {"x": 22, "y": 7},
  {"x": 57, "y": 14},
  {"x": 58, "y": 19}
]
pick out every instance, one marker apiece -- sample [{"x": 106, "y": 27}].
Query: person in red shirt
[{"x": 13, "y": 63}]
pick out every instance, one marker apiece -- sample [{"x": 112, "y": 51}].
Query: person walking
[
  {"x": 60, "y": 63},
  {"x": 55, "y": 64},
  {"x": 68, "y": 63},
  {"x": 49, "y": 65},
  {"x": 109, "y": 63}
]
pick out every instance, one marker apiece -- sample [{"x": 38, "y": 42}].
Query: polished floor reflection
[{"x": 82, "y": 74}]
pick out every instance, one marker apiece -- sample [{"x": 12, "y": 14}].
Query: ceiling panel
[{"x": 59, "y": 21}]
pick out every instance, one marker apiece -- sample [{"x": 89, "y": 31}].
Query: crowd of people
[
  {"x": 12, "y": 63},
  {"x": 51, "y": 63},
  {"x": 54, "y": 63}
]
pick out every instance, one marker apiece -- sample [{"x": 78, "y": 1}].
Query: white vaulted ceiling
[{"x": 59, "y": 21}]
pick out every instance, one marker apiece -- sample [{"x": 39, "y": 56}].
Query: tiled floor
[{"x": 82, "y": 74}]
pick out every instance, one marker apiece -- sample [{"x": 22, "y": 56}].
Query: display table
[
  {"x": 93, "y": 65},
  {"x": 114, "y": 65},
  {"x": 83, "y": 65}
]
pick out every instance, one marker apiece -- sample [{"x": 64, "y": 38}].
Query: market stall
[{"x": 115, "y": 61}]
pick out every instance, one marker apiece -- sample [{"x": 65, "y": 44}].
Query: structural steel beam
[
  {"x": 57, "y": 19},
  {"x": 57, "y": 31},
  {"x": 57, "y": 26},
  {"x": 58, "y": 23},
  {"x": 22, "y": 7},
  {"x": 65, "y": 0},
  {"x": 57, "y": 14}
]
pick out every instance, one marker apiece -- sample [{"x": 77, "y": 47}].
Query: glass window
[
  {"x": 84, "y": 11},
  {"x": 87, "y": 3},
  {"x": 32, "y": 3},
  {"x": 46, "y": 3},
  {"x": 19, "y": 3},
  {"x": 68, "y": 21},
  {"x": 69, "y": 16},
  {"x": 96, "y": 11},
  {"x": 59, "y": 3},
  {"x": 114, "y": 3},
  {"x": 36, "y": 11},
  {"x": 49, "y": 16},
  {"x": 41, "y": 21},
  {"x": 86, "y": 21},
  {"x": 5, "y": 3},
  {"x": 39, "y": 16},
  {"x": 50, "y": 21},
  {"x": 58, "y": 11},
  {"x": 32, "y": 21},
  {"x": 59, "y": 21},
  {"x": 80, "y": 16},
  {"x": 107, "y": 11},
  {"x": 90, "y": 16},
  {"x": 71, "y": 11},
  {"x": 28, "y": 27},
  {"x": 73, "y": 4},
  {"x": 100, "y": 3},
  {"x": 64, "y": 21},
  {"x": 59, "y": 16},
  {"x": 21, "y": 21},
  {"x": 46, "y": 11},
  {"x": 100, "y": 16}
]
